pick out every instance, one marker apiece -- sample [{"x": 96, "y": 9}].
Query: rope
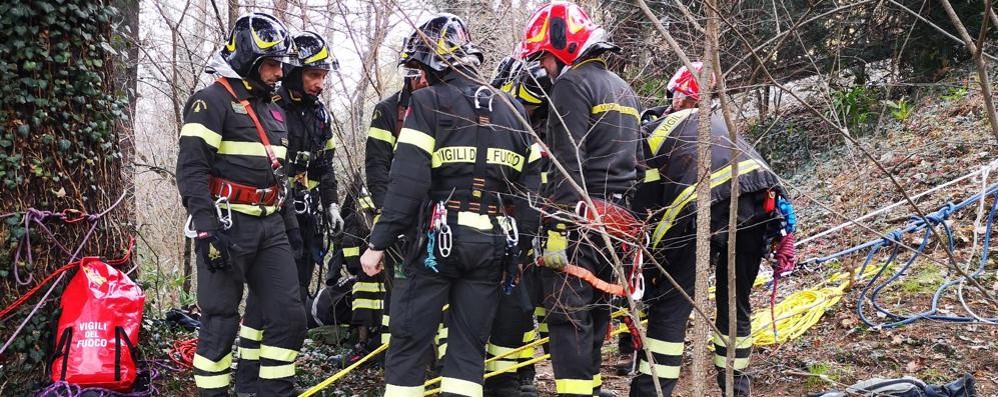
[
  {"x": 324, "y": 384},
  {"x": 66, "y": 389},
  {"x": 182, "y": 353}
]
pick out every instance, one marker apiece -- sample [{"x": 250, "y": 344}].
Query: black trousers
[
  {"x": 313, "y": 251},
  {"x": 468, "y": 280},
  {"x": 274, "y": 324},
  {"x": 577, "y": 317},
  {"x": 669, "y": 312},
  {"x": 513, "y": 327}
]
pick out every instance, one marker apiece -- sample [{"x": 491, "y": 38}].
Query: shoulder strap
[{"x": 256, "y": 121}]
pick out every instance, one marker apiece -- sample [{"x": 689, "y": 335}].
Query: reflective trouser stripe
[
  {"x": 499, "y": 365},
  {"x": 204, "y": 364},
  {"x": 278, "y": 353},
  {"x": 368, "y": 287},
  {"x": 662, "y": 371},
  {"x": 212, "y": 381},
  {"x": 460, "y": 387},
  {"x": 663, "y": 347},
  {"x": 542, "y": 327},
  {"x": 385, "y": 319},
  {"x": 350, "y": 252},
  {"x": 277, "y": 371},
  {"x": 441, "y": 351},
  {"x": 404, "y": 391},
  {"x": 741, "y": 342},
  {"x": 370, "y": 304},
  {"x": 739, "y": 363},
  {"x": 574, "y": 386},
  {"x": 247, "y": 353},
  {"x": 597, "y": 380},
  {"x": 250, "y": 333}
]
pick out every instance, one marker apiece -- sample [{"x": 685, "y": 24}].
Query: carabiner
[
  {"x": 189, "y": 231},
  {"x": 445, "y": 240},
  {"x": 508, "y": 225},
  {"x": 226, "y": 219}
]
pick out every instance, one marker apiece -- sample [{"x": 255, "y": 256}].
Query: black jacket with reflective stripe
[
  {"x": 437, "y": 151},
  {"x": 310, "y": 130},
  {"x": 384, "y": 131},
  {"x": 593, "y": 131},
  {"x": 671, "y": 148},
  {"x": 219, "y": 138}
]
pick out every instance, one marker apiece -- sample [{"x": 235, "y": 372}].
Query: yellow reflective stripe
[
  {"x": 540, "y": 311},
  {"x": 385, "y": 337},
  {"x": 527, "y": 353},
  {"x": 198, "y": 130},
  {"x": 663, "y": 347},
  {"x": 497, "y": 350},
  {"x": 615, "y": 107},
  {"x": 529, "y": 336},
  {"x": 535, "y": 153},
  {"x": 404, "y": 391},
  {"x": 542, "y": 327},
  {"x": 447, "y": 306},
  {"x": 525, "y": 94},
  {"x": 368, "y": 287},
  {"x": 254, "y": 210},
  {"x": 381, "y": 135},
  {"x": 689, "y": 194},
  {"x": 247, "y": 353},
  {"x": 597, "y": 380},
  {"x": 574, "y": 386},
  {"x": 505, "y": 157},
  {"x": 741, "y": 342},
  {"x": 418, "y": 139},
  {"x": 662, "y": 371},
  {"x": 204, "y": 364},
  {"x": 663, "y": 130},
  {"x": 652, "y": 175},
  {"x": 322, "y": 54},
  {"x": 250, "y": 333},
  {"x": 499, "y": 365},
  {"x": 277, "y": 371},
  {"x": 544, "y": 177},
  {"x": 442, "y": 350},
  {"x": 442, "y": 333},
  {"x": 477, "y": 221},
  {"x": 371, "y": 304},
  {"x": 236, "y": 148},
  {"x": 211, "y": 382},
  {"x": 350, "y": 252},
  {"x": 739, "y": 363},
  {"x": 278, "y": 353},
  {"x": 385, "y": 319},
  {"x": 330, "y": 144},
  {"x": 453, "y": 154},
  {"x": 460, "y": 387},
  {"x": 366, "y": 202}
]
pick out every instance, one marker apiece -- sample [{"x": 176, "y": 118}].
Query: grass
[{"x": 924, "y": 279}]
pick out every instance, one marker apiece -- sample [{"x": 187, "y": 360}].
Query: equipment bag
[{"x": 97, "y": 336}]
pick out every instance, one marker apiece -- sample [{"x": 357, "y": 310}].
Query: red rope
[
  {"x": 24, "y": 298},
  {"x": 182, "y": 353}
]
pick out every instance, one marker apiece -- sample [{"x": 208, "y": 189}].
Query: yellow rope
[{"x": 324, "y": 384}]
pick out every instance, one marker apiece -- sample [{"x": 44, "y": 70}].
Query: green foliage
[
  {"x": 854, "y": 105},
  {"x": 900, "y": 110},
  {"x": 55, "y": 111},
  {"x": 955, "y": 93}
]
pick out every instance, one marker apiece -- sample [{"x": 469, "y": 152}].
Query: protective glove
[
  {"x": 785, "y": 255},
  {"x": 212, "y": 249},
  {"x": 555, "y": 254},
  {"x": 297, "y": 244},
  {"x": 335, "y": 220}
]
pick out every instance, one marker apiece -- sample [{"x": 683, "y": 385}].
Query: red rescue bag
[{"x": 98, "y": 334}]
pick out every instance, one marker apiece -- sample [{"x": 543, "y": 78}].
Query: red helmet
[
  {"x": 564, "y": 30},
  {"x": 685, "y": 83}
]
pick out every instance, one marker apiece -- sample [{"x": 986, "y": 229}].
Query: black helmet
[
  {"x": 257, "y": 35},
  {"x": 529, "y": 82},
  {"x": 447, "y": 43},
  {"x": 313, "y": 52}
]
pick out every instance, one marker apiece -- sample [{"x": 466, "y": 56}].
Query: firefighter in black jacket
[
  {"x": 671, "y": 151},
  {"x": 514, "y": 323},
  {"x": 386, "y": 123},
  {"x": 593, "y": 132},
  {"x": 458, "y": 160},
  {"x": 310, "y": 153},
  {"x": 231, "y": 179}
]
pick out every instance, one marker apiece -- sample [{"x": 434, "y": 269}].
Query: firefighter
[
  {"x": 386, "y": 123},
  {"x": 459, "y": 159},
  {"x": 311, "y": 147},
  {"x": 593, "y": 133},
  {"x": 231, "y": 179},
  {"x": 514, "y": 323},
  {"x": 762, "y": 225}
]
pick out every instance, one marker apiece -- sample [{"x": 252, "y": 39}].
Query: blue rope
[
  {"x": 893, "y": 238},
  {"x": 431, "y": 245}
]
